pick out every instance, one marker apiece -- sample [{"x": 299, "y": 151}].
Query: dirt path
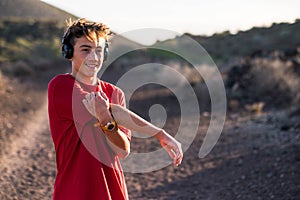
[
  {"x": 28, "y": 170},
  {"x": 256, "y": 157}
]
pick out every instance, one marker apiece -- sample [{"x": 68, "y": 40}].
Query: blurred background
[{"x": 255, "y": 46}]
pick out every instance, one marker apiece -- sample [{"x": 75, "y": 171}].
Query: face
[{"x": 87, "y": 59}]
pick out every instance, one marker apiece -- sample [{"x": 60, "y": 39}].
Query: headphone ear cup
[
  {"x": 105, "y": 56},
  {"x": 67, "y": 51}
]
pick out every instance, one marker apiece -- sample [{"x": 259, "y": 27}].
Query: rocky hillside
[
  {"x": 224, "y": 47},
  {"x": 33, "y": 10},
  {"x": 30, "y": 36}
]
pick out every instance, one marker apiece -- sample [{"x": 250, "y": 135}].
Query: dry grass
[
  {"x": 275, "y": 78},
  {"x": 271, "y": 80}
]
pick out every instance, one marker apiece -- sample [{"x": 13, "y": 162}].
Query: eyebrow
[
  {"x": 85, "y": 45},
  {"x": 88, "y": 46}
]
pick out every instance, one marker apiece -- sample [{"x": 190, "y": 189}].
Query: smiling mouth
[{"x": 91, "y": 65}]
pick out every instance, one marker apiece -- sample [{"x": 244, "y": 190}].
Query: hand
[
  {"x": 98, "y": 105},
  {"x": 172, "y": 146}
]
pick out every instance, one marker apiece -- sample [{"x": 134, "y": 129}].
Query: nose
[{"x": 94, "y": 56}]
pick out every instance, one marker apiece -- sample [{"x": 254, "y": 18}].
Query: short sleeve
[
  {"x": 117, "y": 97},
  {"x": 67, "y": 96}
]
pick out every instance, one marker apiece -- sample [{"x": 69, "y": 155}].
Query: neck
[{"x": 87, "y": 81}]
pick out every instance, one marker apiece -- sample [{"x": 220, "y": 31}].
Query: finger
[
  {"x": 86, "y": 104},
  {"x": 84, "y": 101},
  {"x": 92, "y": 95},
  {"x": 178, "y": 160},
  {"x": 103, "y": 95},
  {"x": 179, "y": 156},
  {"x": 170, "y": 152},
  {"x": 175, "y": 159},
  {"x": 89, "y": 96},
  {"x": 98, "y": 93}
]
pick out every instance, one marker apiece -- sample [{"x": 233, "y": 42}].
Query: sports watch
[{"x": 109, "y": 126}]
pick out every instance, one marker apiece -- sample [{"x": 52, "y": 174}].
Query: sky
[{"x": 198, "y": 17}]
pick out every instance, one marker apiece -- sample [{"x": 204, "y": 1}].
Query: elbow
[
  {"x": 124, "y": 149},
  {"x": 124, "y": 153}
]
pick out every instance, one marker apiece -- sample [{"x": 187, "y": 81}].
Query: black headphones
[{"x": 67, "y": 48}]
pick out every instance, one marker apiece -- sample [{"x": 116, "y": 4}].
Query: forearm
[
  {"x": 118, "y": 142},
  {"x": 132, "y": 121}
]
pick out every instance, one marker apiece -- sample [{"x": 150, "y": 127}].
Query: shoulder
[
  {"x": 109, "y": 87},
  {"x": 114, "y": 93},
  {"x": 62, "y": 80}
]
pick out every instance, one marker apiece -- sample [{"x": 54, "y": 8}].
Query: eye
[
  {"x": 98, "y": 50},
  {"x": 86, "y": 50}
]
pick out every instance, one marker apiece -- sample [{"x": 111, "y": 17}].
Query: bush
[
  {"x": 19, "y": 68},
  {"x": 26, "y": 41},
  {"x": 270, "y": 80}
]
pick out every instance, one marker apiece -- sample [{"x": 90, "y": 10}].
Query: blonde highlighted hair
[{"x": 81, "y": 27}]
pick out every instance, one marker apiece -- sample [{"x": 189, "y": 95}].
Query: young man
[{"x": 89, "y": 122}]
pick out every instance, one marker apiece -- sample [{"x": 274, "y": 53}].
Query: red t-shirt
[{"x": 87, "y": 169}]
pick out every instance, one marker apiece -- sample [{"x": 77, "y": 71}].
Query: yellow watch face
[{"x": 110, "y": 126}]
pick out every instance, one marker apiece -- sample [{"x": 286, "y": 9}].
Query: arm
[
  {"x": 98, "y": 105},
  {"x": 118, "y": 142},
  {"x": 132, "y": 121}
]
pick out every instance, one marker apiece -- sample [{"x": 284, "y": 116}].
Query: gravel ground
[{"x": 256, "y": 157}]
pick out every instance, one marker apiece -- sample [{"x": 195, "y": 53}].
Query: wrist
[
  {"x": 107, "y": 122},
  {"x": 160, "y": 134},
  {"x": 105, "y": 116},
  {"x": 109, "y": 126}
]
